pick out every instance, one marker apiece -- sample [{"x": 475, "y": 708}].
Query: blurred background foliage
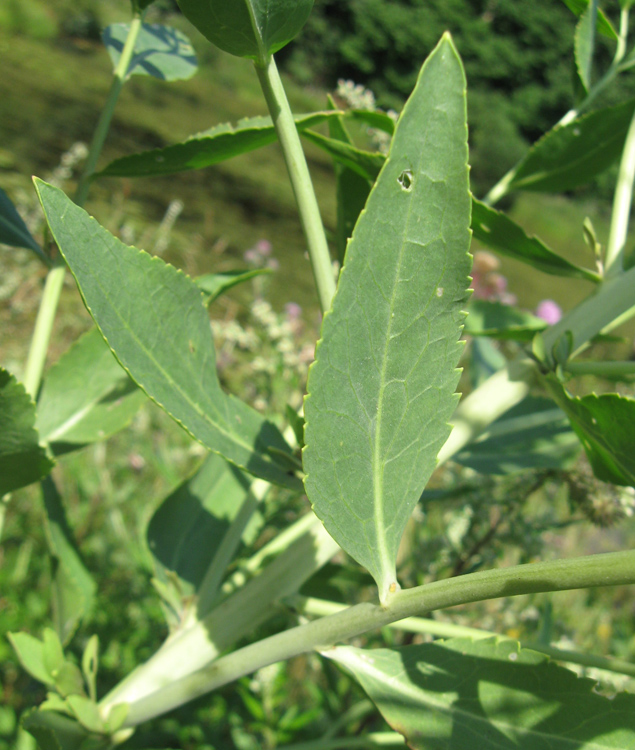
[{"x": 55, "y": 76}]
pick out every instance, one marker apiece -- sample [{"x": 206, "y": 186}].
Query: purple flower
[
  {"x": 549, "y": 311},
  {"x": 293, "y": 310}
]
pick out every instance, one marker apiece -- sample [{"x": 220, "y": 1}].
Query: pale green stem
[
  {"x": 370, "y": 741},
  {"x": 602, "y": 369},
  {"x": 501, "y": 187},
  {"x": 55, "y": 280},
  {"x": 617, "y": 568},
  {"x": 300, "y": 181},
  {"x": 622, "y": 202},
  {"x": 251, "y": 606},
  {"x": 426, "y": 626}
]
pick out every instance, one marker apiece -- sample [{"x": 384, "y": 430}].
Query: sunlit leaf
[
  {"x": 160, "y": 51},
  {"x": 209, "y": 147},
  {"x": 381, "y": 391},
  {"x": 154, "y": 320}
]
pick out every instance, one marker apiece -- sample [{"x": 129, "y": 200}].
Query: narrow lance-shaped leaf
[
  {"x": 573, "y": 154},
  {"x": 154, "y": 320},
  {"x": 160, "y": 51},
  {"x": 381, "y": 391},
  {"x": 212, "y": 146},
  {"x": 462, "y": 694},
  {"x": 498, "y": 231},
  {"x": 584, "y": 44},
  {"x": 605, "y": 27},
  {"x": 248, "y": 28},
  {"x": 215, "y": 284},
  {"x": 22, "y": 460}
]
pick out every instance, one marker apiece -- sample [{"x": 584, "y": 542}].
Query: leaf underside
[{"x": 381, "y": 391}]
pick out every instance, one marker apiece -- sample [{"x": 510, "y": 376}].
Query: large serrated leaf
[
  {"x": 248, "y": 28},
  {"x": 573, "y": 154},
  {"x": 381, "y": 391},
  {"x": 496, "y": 230},
  {"x": 86, "y": 396},
  {"x": 160, "y": 51},
  {"x": 212, "y": 146},
  {"x": 22, "y": 460},
  {"x": 463, "y": 695},
  {"x": 153, "y": 318}
]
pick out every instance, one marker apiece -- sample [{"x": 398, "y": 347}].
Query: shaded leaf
[
  {"x": 160, "y": 51},
  {"x": 22, "y": 460},
  {"x": 217, "y": 144},
  {"x": 73, "y": 589},
  {"x": 189, "y": 525},
  {"x": 248, "y": 28},
  {"x": 573, "y": 154},
  {"x": 154, "y": 320},
  {"x": 606, "y": 428},
  {"x": 534, "y": 434},
  {"x": 53, "y": 731},
  {"x": 604, "y": 26},
  {"x": 584, "y": 45},
  {"x": 13, "y": 231},
  {"x": 215, "y": 284},
  {"x": 366, "y": 163},
  {"x": 496, "y": 230},
  {"x": 86, "y": 397},
  {"x": 381, "y": 391},
  {"x": 374, "y": 119},
  {"x": 498, "y": 321},
  {"x": 351, "y": 190},
  {"x": 463, "y": 694}
]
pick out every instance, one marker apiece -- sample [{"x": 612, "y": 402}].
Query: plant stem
[
  {"x": 38, "y": 349},
  {"x": 602, "y": 369},
  {"x": 300, "y": 181},
  {"x": 426, "y": 626},
  {"x": 613, "y": 261},
  {"x": 615, "y": 568}
]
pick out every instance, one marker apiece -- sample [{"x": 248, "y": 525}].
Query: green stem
[
  {"x": 615, "y": 568},
  {"x": 426, "y": 626},
  {"x": 300, "y": 181},
  {"x": 36, "y": 358},
  {"x": 602, "y": 369},
  {"x": 372, "y": 740}
]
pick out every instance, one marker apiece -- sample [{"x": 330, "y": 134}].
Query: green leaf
[
  {"x": 374, "y": 119},
  {"x": 53, "y": 731},
  {"x": 366, "y": 163},
  {"x": 463, "y": 695},
  {"x": 215, "y": 284},
  {"x": 73, "y": 590},
  {"x": 30, "y": 653},
  {"x": 500, "y": 321},
  {"x": 381, "y": 391},
  {"x": 87, "y": 713},
  {"x": 53, "y": 651},
  {"x": 86, "y": 397},
  {"x": 584, "y": 45},
  {"x": 217, "y": 144},
  {"x": 573, "y": 154},
  {"x": 532, "y": 435},
  {"x": 160, "y": 51},
  {"x": 352, "y": 190},
  {"x": 140, "y": 5},
  {"x": 90, "y": 665},
  {"x": 13, "y": 231},
  {"x": 22, "y": 460},
  {"x": 606, "y": 428},
  {"x": 498, "y": 231},
  {"x": 153, "y": 318},
  {"x": 248, "y": 28},
  {"x": 189, "y": 525},
  {"x": 604, "y": 26}
]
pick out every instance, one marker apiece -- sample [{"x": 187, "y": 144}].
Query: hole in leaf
[
  {"x": 405, "y": 179},
  {"x": 439, "y": 291}
]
